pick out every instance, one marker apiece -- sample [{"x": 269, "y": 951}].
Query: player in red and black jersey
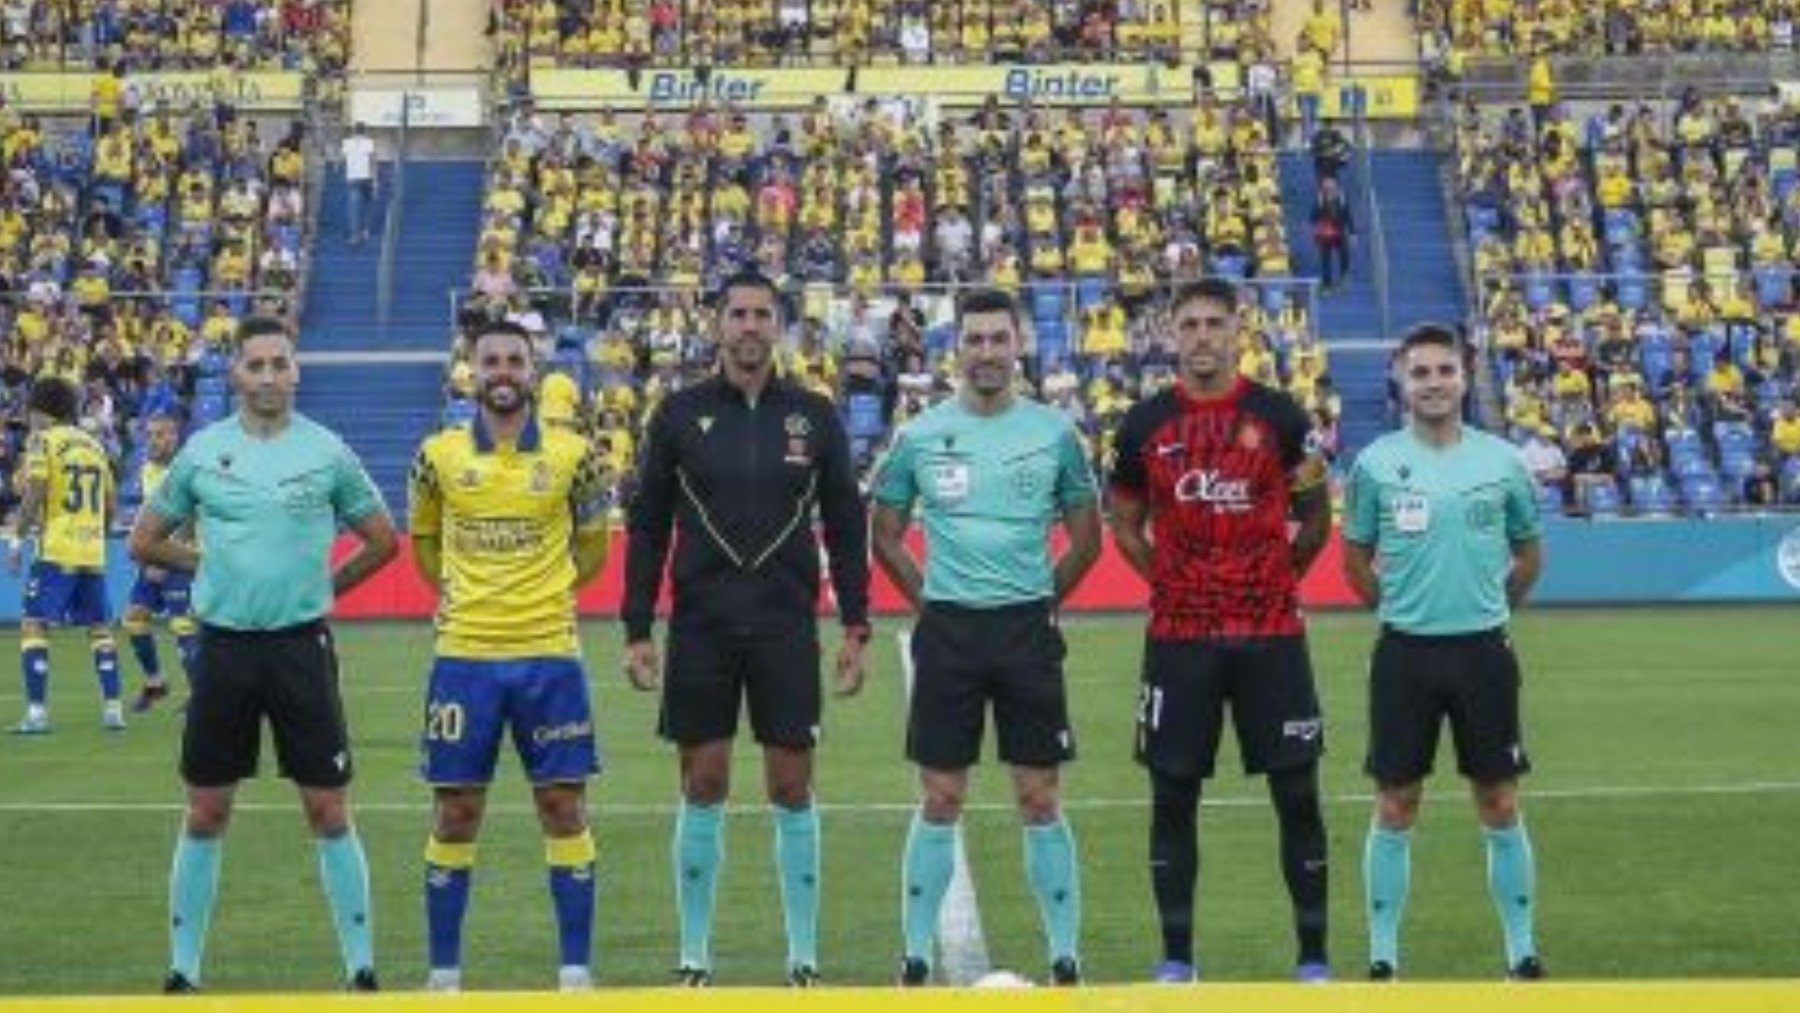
[{"x": 1207, "y": 477}]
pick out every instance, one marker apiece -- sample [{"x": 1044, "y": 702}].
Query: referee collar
[{"x": 529, "y": 437}]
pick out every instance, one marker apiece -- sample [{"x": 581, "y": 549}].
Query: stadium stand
[
  {"x": 134, "y": 236},
  {"x": 1619, "y": 27},
  {"x": 1636, "y": 278},
  {"x": 601, "y": 231}
]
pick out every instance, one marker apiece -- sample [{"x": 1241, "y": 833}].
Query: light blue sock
[
  {"x": 1512, "y": 880},
  {"x": 345, "y": 871},
  {"x": 699, "y": 850},
  {"x": 1055, "y": 876},
  {"x": 797, "y": 862},
  {"x": 193, "y": 886},
  {"x": 1387, "y": 875},
  {"x": 924, "y": 878}
]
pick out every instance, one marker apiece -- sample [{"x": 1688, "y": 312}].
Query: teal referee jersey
[
  {"x": 266, "y": 513},
  {"x": 990, "y": 487},
  {"x": 1442, "y": 522}
]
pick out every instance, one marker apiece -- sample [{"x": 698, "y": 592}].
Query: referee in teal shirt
[
  {"x": 991, "y": 474},
  {"x": 1441, "y": 535},
  {"x": 266, "y": 490}
]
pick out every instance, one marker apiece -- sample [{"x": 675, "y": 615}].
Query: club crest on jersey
[
  {"x": 1249, "y": 437},
  {"x": 469, "y": 479},
  {"x": 796, "y": 451},
  {"x": 1027, "y": 482},
  {"x": 540, "y": 477},
  {"x": 705, "y": 422},
  {"x": 798, "y": 426}
]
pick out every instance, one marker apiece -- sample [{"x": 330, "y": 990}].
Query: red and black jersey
[{"x": 1216, "y": 474}]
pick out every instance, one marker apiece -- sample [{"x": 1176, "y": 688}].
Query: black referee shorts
[
  {"x": 966, "y": 658},
  {"x": 289, "y": 676},
  {"x": 1417, "y": 682},
  {"x": 713, "y": 674}
]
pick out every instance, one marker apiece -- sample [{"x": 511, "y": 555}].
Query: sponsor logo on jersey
[{"x": 1213, "y": 487}]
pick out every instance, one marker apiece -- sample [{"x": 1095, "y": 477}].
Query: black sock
[
  {"x": 1175, "y": 860},
  {"x": 1296, "y": 797}
]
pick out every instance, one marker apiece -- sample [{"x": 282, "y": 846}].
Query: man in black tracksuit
[{"x": 734, "y": 467}]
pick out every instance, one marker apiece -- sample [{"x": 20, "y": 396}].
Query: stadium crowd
[
  {"x": 1637, "y": 288},
  {"x": 600, "y": 231},
  {"x": 635, "y": 33},
  {"x": 132, "y": 35},
  {"x": 1451, "y": 29},
  {"x": 129, "y": 250}
]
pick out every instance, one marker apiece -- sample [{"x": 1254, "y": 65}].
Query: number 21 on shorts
[{"x": 1149, "y": 706}]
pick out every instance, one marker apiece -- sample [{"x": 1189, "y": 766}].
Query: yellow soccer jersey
[
  {"x": 506, "y": 517},
  {"x": 78, "y": 496}
]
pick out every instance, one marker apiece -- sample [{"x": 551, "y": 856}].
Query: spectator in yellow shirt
[{"x": 1784, "y": 431}]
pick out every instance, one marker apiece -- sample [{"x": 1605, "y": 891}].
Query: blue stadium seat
[
  {"x": 1090, "y": 290},
  {"x": 1539, "y": 291},
  {"x": 1633, "y": 292},
  {"x": 1234, "y": 266},
  {"x": 1052, "y": 341},
  {"x": 1702, "y": 494},
  {"x": 1688, "y": 467},
  {"x": 1734, "y": 437},
  {"x": 1772, "y": 286},
  {"x": 1584, "y": 291},
  {"x": 1602, "y": 499},
  {"x": 1650, "y": 494},
  {"x": 1047, "y": 301},
  {"x": 459, "y": 411},
  {"x": 1790, "y": 476},
  {"x": 1735, "y": 466},
  {"x": 1549, "y": 499}
]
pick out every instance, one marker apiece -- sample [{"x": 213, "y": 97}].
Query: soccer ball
[{"x": 1002, "y": 979}]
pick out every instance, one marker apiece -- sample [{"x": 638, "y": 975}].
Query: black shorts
[
  {"x": 712, "y": 671},
  {"x": 289, "y": 676},
  {"x": 1416, "y": 682},
  {"x": 963, "y": 658},
  {"x": 1274, "y": 705}
]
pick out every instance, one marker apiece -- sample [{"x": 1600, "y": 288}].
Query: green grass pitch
[{"x": 1665, "y": 812}]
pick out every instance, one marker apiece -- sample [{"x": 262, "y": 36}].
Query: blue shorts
[
  {"x": 62, "y": 597},
  {"x": 470, "y": 702},
  {"x": 171, "y": 596}
]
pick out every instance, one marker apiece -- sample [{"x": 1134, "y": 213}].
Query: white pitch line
[{"x": 604, "y": 809}]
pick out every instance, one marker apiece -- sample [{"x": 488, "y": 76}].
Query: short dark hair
[
  {"x": 260, "y": 326},
  {"x": 55, "y": 397},
  {"x": 988, "y": 300},
  {"x": 749, "y": 277},
  {"x": 503, "y": 326},
  {"x": 1219, "y": 290},
  {"x": 1430, "y": 334}
]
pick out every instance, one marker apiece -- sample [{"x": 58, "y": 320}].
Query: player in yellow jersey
[
  {"x": 67, "y": 502},
  {"x": 508, "y": 520},
  {"x": 157, "y": 591}
]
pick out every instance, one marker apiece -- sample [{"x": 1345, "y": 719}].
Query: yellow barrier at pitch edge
[{"x": 1560, "y": 997}]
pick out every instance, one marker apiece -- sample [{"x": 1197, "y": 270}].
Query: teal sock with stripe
[
  {"x": 797, "y": 864},
  {"x": 699, "y": 851},
  {"x": 1512, "y": 881},
  {"x": 1055, "y": 875},
  {"x": 1387, "y": 876},
  {"x": 925, "y": 874}
]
